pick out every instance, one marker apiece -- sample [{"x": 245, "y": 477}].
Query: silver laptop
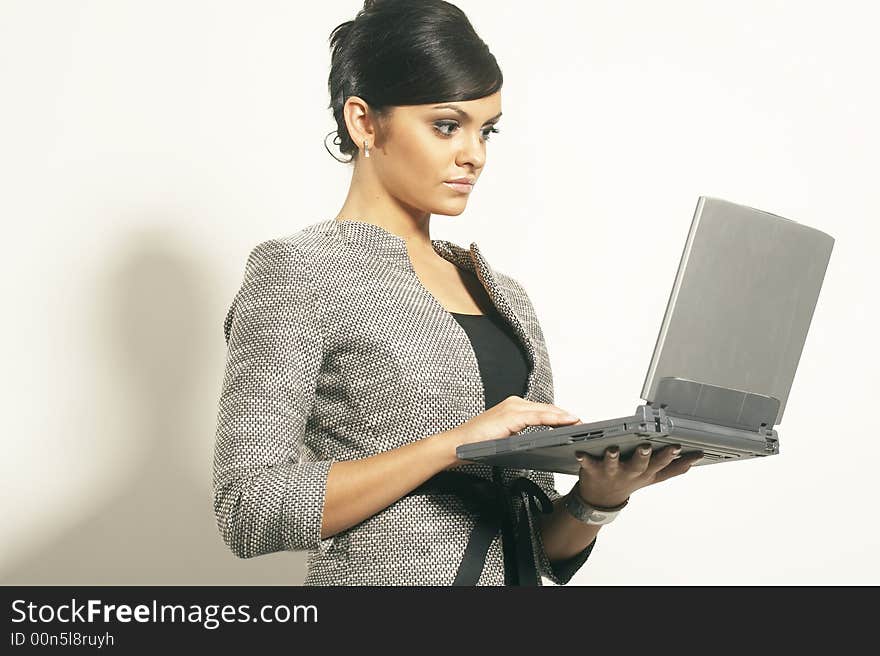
[{"x": 725, "y": 357}]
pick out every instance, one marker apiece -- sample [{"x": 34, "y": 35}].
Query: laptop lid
[{"x": 738, "y": 314}]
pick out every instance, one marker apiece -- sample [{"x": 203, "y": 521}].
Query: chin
[
  {"x": 449, "y": 212},
  {"x": 451, "y": 209}
]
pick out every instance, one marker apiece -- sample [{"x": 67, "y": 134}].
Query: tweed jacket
[{"x": 336, "y": 351}]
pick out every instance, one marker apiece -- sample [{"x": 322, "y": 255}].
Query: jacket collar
[{"x": 392, "y": 248}]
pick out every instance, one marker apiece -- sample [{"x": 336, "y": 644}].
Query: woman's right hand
[{"x": 507, "y": 418}]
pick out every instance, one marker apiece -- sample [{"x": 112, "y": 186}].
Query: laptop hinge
[{"x": 678, "y": 397}]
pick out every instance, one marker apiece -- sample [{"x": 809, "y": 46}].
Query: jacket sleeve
[
  {"x": 268, "y": 496},
  {"x": 561, "y": 572}
]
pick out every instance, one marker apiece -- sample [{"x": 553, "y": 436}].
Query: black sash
[{"x": 492, "y": 503}]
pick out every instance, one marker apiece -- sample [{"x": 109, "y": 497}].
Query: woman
[{"x": 361, "y": 352}]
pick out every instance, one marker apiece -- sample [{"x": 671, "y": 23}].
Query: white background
[{"x": 147, "y": 147}]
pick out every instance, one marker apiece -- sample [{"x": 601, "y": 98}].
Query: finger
[
  {"x": 588, "y": 462},
  {"x": 550, "y": 417},
  {"x": 570, "y": 416},
  {"x": 678, "y": 467},
  {"x": 662, "y": 458},
  {"x": 612, "y": 460},
  {"x": 638, "y": 461}
]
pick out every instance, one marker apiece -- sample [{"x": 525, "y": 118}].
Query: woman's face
[{"x": 422, "y": 147}]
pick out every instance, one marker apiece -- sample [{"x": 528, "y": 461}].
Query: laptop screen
[{"x": 742, "y": 301}]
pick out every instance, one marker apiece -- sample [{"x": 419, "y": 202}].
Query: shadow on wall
[{"x": 165, "y": 353}]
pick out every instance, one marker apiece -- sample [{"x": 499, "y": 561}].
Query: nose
[{"x": 473, "y": 152}]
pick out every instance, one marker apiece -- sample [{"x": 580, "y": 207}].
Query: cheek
[{"x": 424, "y": 163}]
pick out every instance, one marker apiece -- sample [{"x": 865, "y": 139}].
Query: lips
[{"x": 464, "y": 188}]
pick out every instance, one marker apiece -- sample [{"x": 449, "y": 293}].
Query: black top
[{"x": 504, "y": 366}]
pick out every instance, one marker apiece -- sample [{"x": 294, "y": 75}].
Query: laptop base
[{"x": 554, "y": 449}]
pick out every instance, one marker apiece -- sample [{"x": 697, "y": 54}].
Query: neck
[{"x": 368, "y": 201}]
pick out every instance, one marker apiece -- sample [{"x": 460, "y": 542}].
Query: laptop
[{"x": 726, "y": 354}]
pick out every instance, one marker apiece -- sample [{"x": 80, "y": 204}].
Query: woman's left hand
[{"x": 609, "y": 481}]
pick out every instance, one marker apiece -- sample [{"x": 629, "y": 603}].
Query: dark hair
[{"x": 406, "y": 52}]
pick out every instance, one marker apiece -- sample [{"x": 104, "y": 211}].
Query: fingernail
[
  {"x": 569, "y": 416},
  {"x": 645, "y": 450},
  {"x": 677, "y": 449}
]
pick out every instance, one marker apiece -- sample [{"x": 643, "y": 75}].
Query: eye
[{"x": 440, "y": 125}]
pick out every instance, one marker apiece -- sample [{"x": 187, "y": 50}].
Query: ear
[{"x": 362, "y": 122}]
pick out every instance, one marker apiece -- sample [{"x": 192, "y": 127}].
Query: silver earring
[{"x": 366, "y": 149}]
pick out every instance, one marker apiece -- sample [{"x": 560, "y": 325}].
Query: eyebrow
[{"x": 463, "y": 113}]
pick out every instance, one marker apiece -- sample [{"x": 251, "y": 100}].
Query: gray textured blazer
[{"x": 336, "y": 351}]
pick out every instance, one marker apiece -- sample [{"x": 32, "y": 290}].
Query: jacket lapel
[
  {"x": 505, "y": 297},
  {"x": 475, "y": 262}
]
